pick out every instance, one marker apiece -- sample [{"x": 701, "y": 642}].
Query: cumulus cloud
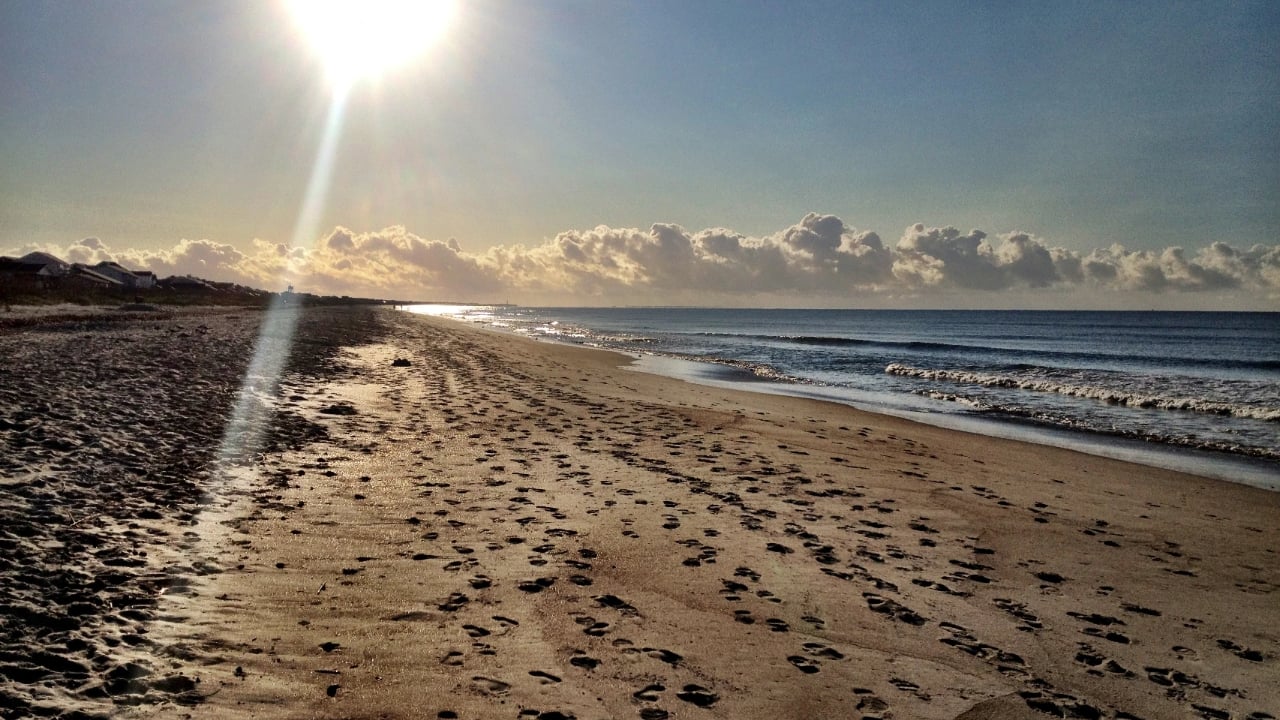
[
  {"x": 394, "y": 262},
  {"x": 1216, "y": 267},
  {"x": 818, "y": 259},
  {"x": 946, "y": 257}
]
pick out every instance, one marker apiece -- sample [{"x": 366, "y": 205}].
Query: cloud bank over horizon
[{"x": 818, "y": 261}]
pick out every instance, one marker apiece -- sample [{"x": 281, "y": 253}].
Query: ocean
[{"x": 1194, "y": 391}]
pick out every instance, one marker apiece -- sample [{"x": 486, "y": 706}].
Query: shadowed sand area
[{"x": 504, "y": 528}]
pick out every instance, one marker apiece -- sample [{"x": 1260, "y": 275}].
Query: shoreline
[
  {"x": 1215, "y": 464},
  {"x": 520, "y": 529},
  {"x": 500, "y": 527},
  {"x": 1211, "y": 464}
]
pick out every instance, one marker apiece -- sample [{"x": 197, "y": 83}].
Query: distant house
[
  {"x": 141, "y": 280},
  {"x": 146, "y": 279},
  {"x": 53, "y": 266},
  {"x": 185, "y": 283},
  {"x": 85, "y": 276},
  {"x": 32, "y": 271},
  {"x": 15, "y": 273}
]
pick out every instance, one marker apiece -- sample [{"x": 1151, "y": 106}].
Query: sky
[{"x": 847, "y": 154}]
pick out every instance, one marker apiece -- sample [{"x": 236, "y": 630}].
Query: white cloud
[
  {"x": 819, "y": 260},
  {"x": 1217, "y": 267}
]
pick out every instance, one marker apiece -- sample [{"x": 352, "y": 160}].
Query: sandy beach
[
  {"x": 110, "y": 423},
  {"x": 447, "y": 522}
]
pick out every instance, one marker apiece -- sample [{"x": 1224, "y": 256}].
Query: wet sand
[{"x": 504, "y": 528}]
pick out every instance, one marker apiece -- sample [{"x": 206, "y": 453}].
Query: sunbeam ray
[{"x": 243, "y": 435}]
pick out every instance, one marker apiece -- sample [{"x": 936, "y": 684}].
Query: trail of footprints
[{"x": 799, "y": 512}]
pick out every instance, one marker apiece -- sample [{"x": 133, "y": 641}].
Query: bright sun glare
[{"x": 364, "y": 38}]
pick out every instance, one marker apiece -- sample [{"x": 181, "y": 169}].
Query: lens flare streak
[{"x": 243, "y": 435}]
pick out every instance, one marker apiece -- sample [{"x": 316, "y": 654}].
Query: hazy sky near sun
[{"x": 1085, "y": 125}]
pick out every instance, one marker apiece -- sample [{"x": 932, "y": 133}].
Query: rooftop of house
[
  {"x": 20, "y": 266},
  {"x": 82, "y": 269},
  {"x": 43, "y": 258}
]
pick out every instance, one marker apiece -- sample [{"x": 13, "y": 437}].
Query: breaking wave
[
  {"x": 922, "y": 345},
  {"x": 1062, "y": 421},
  {"x": 1110, "y": 396}
]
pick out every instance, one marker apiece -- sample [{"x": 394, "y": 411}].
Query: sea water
[{"x": 1197, "y": 391}]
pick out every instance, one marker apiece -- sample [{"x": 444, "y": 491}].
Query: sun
[{"x": 365, "y": 38}]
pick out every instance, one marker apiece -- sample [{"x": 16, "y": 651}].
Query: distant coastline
[{"x": 1133, "y": 385}]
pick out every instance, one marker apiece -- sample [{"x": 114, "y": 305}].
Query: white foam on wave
[
  {"x": 1111, "y": 396},
  {"x": 952, "y": 397},
  {"x": 1056, "y": 420}
]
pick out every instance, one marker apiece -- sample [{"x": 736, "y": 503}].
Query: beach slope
[
  {"x": 504, "y": 528},
  {"x": 448, "y": 522}
]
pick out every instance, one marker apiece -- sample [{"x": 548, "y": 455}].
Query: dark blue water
[{"x": 1201, "y": 388}]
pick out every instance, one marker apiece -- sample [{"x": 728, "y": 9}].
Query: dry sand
[{"x": 511, "y": 529}]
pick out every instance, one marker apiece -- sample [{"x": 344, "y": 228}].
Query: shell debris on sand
[{"x": 109, "y": 426}]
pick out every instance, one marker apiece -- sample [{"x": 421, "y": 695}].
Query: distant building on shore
[
  {"x": 42, "y": 271},
  {"x": 134, "y": 280},
  {"x": 35, "y": 270},
  {"x": 185, "y": 283},
  {"x": 41, "y": 277},
  {"x": 81, "y": 274}
]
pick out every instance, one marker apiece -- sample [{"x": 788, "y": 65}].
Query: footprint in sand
[
  {"x": 545, "y": 678},
  {"x": 596, "y": 629},
  {"x": 536, "y": 586},
  {"x": 1099, "y": 665},
  {"x": 821, "y": 650},
  {"x": 616, "y": 603},
  {"x": 731, "y": 589},
  {"x": 698, "y": 695},
  {"x": 869, "y": 705},
  {"x": 660, "y": 654},
  {"x": 803, "y": 664},
  {"x": 894, "y": 610},
  {"x": 777, "y": 625},
  {"x": 490, "y": 686},
  {"x": 454, "y": 602},
  {"x": 649, "y": 693},
  {"x": 1241, "y": 652}
]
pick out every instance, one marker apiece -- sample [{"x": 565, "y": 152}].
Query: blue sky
[{"x": 1084, "y": 124}]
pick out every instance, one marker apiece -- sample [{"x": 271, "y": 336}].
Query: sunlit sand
[{"x": 505, "y": 527}]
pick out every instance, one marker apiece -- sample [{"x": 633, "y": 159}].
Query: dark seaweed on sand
[{"x": 106, "y": 429}]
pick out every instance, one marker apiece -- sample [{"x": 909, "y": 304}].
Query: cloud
[
  {"x": 946, "y": 257},
  {"x": 392, "y": 262},
  {"x": 819, "y": 260},
  {"x": 1217, "y": 267}
]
